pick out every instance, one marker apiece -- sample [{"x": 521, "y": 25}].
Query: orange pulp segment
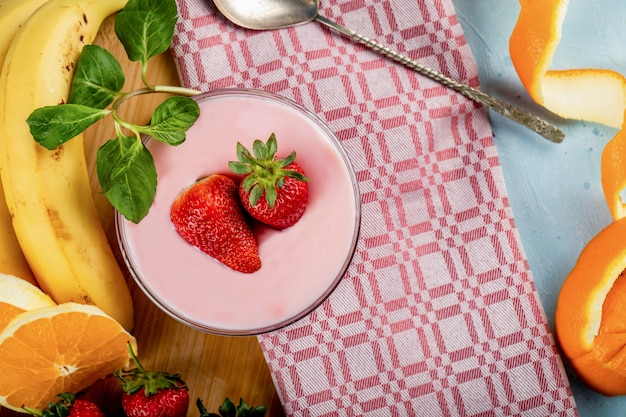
[{"x": 65, "y": 348}]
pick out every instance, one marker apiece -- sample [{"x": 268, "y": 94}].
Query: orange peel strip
[
  {"x": 613, "y": 166},
  {"x": 534, "y": 40},
  {"x": 596, "y": 95}
]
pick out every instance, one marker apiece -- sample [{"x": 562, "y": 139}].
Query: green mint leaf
[
  {"x": 52, "y": 126},
  {"x": 98, "y": 78},
  {"x": 171, "y": 119},
  {"x": 146, "y": 28},
  {"x": 127, "y": 175}
]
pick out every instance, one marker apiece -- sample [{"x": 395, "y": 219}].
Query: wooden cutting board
[{"x": 214, "y": 367}]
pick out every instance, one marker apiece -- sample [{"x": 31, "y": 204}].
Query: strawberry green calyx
[
  {"x": 57, "y": 409},
  {"x": 135, "y": 379},
  {"x": 264, "y": 172},
  {"x": 229, "y": 409}
]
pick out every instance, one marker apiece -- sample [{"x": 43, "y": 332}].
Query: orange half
[
  {"x": 58, "y": 349},
  {"x": 590, "y": 323}
]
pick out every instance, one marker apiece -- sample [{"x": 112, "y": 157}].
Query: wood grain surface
[{"x": 214, "y": 367}]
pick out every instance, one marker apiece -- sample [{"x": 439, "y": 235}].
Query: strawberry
[
  {"x": 209, "y": 216},
  {"x": 68, "y": 406},
  {"x": 273, "y": 190},
  {"x": 151, "y": 393}
]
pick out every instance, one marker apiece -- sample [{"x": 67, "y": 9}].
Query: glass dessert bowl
[{"x": 302, "y": 264}]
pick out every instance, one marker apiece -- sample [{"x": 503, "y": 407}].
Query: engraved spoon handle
[{"x": 524, "y": 118}]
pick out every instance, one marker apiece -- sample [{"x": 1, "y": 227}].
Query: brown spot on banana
[
  {"x": 60, "y": 231},
  {"x": 57, "y": 153}
]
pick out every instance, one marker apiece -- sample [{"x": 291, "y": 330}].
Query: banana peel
[
  {"x": 13, "y": 14},
  {"x": 48, "y": 193}
]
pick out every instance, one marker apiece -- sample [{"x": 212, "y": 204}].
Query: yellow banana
[
  {"x": 13, "y": 14},
  {"x": 48, "y": 193}
]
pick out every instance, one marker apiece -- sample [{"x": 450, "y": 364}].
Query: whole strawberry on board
[
  {"x": 68, "y": 406},
  {"x": 273, "y": 190},
  {"x": 229, "y": 409},
  {"x": 151, "y": 393},
  {"x": 208, "y": 215}
]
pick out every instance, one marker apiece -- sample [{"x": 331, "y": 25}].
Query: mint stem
[
  {"x": 176, "y": 90},
  {"x": 147, "y": 90}
]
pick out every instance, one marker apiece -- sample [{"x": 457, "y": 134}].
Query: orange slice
[
  {"x": 65, "y": 348},
  {"x": 596, "y": 95},
  {"x": 18, "y": 296},
  {"x": 590, "y": 322}
]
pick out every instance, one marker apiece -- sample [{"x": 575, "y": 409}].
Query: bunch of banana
[
  {"x": 13, "y": 14},
  {"x": 48, "y": 193}
]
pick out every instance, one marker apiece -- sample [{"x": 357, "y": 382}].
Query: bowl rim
[{"x": 313, "y": 117}]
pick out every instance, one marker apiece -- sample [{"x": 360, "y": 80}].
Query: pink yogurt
[{"x": 301, "y": 264}]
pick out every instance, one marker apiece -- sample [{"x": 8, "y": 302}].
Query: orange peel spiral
[
  {"x": 592, "y": 94},
  {"x": 590, "y": 317}
]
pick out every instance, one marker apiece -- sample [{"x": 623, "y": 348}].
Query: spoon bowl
[
  {"x": 268, "y": 15},
  {"x": 279, "y": 14}
]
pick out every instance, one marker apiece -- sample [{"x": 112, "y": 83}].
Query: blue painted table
[{"x": 554, "y": 190}]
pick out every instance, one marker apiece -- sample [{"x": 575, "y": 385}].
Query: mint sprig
[{"x": 125, "y": 167}]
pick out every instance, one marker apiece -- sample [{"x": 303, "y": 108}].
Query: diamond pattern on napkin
[{"x": 437, "y": 314}]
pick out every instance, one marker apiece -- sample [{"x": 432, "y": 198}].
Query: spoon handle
[{"x": 524, "y": 118}]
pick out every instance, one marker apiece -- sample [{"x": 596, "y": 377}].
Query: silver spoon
[{"x": 277, "y": 14}]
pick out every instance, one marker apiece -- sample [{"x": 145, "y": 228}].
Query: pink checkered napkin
[{"x": 437, "y": 314}]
